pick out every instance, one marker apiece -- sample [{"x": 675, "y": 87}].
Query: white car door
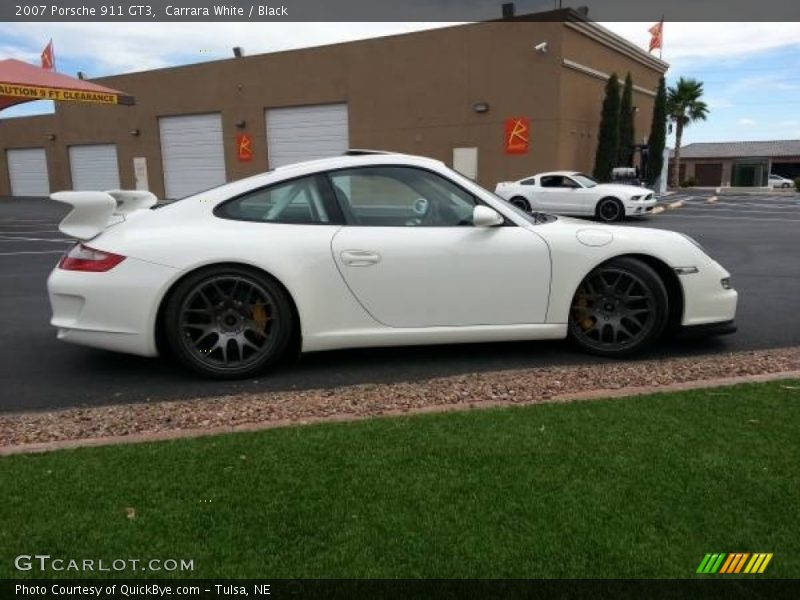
[
  {"x": 558, "y": 195},
  {"x": 412, "y": 258}
]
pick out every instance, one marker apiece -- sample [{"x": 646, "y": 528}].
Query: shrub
[
  {"x": 797, "y": 183},
  {"x": 689, "y": 182}
]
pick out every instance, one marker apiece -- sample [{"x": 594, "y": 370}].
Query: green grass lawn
[{"x": 639, "y": 487}]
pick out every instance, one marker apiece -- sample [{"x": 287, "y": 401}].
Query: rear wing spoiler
[{"x": 92, "y": 211}]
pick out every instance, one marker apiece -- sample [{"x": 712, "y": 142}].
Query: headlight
[
  {"x": 726, "y": 283},
  {"x": 636, "y": 197}
]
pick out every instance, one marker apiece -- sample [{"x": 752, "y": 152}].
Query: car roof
[
  {"x": 568, "y": 173},
  {"x": 358, "y": 158},
  {"x": 310, "y": 167},
  {"x": 349, "y": 159}
]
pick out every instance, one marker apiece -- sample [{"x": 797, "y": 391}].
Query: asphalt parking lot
[{"x": 753, "y": 236}]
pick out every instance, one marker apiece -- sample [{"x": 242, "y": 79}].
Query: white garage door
[
  {"x": 193, "y": 153},
  {"x": 27, "y": 170},
  {"x": 301, "y": 133},
  {"x": 94, "y": 167}
]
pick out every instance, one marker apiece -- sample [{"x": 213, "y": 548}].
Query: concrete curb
[{"x": 600, "y": 394}]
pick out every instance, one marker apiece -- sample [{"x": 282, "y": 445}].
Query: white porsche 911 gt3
[{"x": 367, "y": 249}]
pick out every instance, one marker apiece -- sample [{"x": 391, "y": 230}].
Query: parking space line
[
  {"x": 32, "y": 252},
  {"x": 15, "y": 231},
  {"x": 27, "y": 239},
  {"x": 27, "y": 220},
  {"x": 751, "y": 211},
  {"x": 690, "y": 215},
  {"x": 768, "y": 206}
]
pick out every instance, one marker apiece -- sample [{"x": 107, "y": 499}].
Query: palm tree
[{"x": 684, "y": 107}]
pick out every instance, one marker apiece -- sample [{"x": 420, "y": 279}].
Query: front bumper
[
  {"x": 639, "y": 208},
  {"x": 708, "y": 329},
  {"x": 115, "y": 310},
  {"x": 706, "y": 301}
]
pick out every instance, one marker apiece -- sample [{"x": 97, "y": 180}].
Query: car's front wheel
[
  {"x": 228, "y": 322},
  {"x": 521, "y": 202},
  {"x": 618, "y": 309},
  {"x": 610, "y": 210}
]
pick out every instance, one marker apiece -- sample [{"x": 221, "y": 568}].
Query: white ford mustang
[
  {"x": 573, "y": 193},
  {"x": 364, "y": 250}
]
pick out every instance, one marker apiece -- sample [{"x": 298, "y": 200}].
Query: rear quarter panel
[{"x": 298, "y": 256}]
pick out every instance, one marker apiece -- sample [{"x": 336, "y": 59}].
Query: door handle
[{"x": 360, "y": 258}]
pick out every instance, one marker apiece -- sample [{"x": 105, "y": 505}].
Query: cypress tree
[
  {"x": 627, "y": 135},
  {"x": 658, "y": 135},
  {"x": 608, "y": 136}
]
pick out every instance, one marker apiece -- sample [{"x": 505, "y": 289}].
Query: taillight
[{"x": 84, "y": 258}]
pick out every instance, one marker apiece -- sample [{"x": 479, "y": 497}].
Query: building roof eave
[{"x": 611, "y": 40}]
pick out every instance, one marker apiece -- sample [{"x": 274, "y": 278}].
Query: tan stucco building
[{"x": 449, "y": 93}]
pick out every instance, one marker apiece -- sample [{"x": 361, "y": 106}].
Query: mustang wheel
[
  {"x": 521, "y": 203},
  {"x": 618, "y": 309},
  {"x": 228, "y": 322},
  {"x": 609, "y": 210}
]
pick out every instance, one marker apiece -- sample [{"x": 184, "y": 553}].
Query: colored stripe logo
[{"x": 734, "y": 562}]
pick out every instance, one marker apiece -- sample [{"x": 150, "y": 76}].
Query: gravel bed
[{"x": 521, "y": 386}]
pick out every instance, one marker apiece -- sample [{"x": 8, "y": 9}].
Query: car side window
[
  {"x": 401, "y": 197},
  {"x": 558, "y": 181},
  {"x": 568, "y": 182},
  {"x": 299, "y": 201},
  {"x": 551, "y": 181},
  {"x": 531, "y": 181}
]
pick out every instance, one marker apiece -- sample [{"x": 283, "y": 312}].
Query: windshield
[{"x": 585, "y": 180}]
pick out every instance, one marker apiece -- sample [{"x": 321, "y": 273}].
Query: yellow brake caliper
[
  {"x": 259, "y": 315},
  {"x": 582, "y": 316}
]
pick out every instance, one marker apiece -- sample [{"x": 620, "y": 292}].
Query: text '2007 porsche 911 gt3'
[{"x": 361, "y": 250}]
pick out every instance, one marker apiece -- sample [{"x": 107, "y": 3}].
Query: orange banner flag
[
  {"x": 48, "y": 57},
  {"x": 656, "y": 35}
]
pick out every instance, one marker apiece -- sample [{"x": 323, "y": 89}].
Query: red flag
[
  {"x": 48, "y": 57},
  {"x": 656, "y": 34}
]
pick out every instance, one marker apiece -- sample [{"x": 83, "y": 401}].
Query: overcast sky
[{"x": 751, "y": 71}]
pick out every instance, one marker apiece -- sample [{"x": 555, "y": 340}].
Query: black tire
[
  {"x": 521, "y": 202},
  {"x": 620, "y": 308},
  {"x": 609, "y": 210},
  {"x": 228, "y": 322},
  {"x": 787, "y": 185}
]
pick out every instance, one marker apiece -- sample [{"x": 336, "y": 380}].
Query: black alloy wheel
[
  {"x": 618, "y": 309},
  {"x": 228, "y": 322},
  {"x": 521, "y": 203},
  {"x": 610, "y": 210}
]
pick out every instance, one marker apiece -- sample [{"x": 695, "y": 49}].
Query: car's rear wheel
[
  {"x": 787, "y": 185},
  {"x": 619, "y": 308},
  {"x": 521, "y": 203},
  {"x": 228, "y": 322},
  {"x": 610, "y": 210}
]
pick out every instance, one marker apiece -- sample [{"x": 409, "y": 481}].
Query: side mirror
[{"x": 483, "y": 216}]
